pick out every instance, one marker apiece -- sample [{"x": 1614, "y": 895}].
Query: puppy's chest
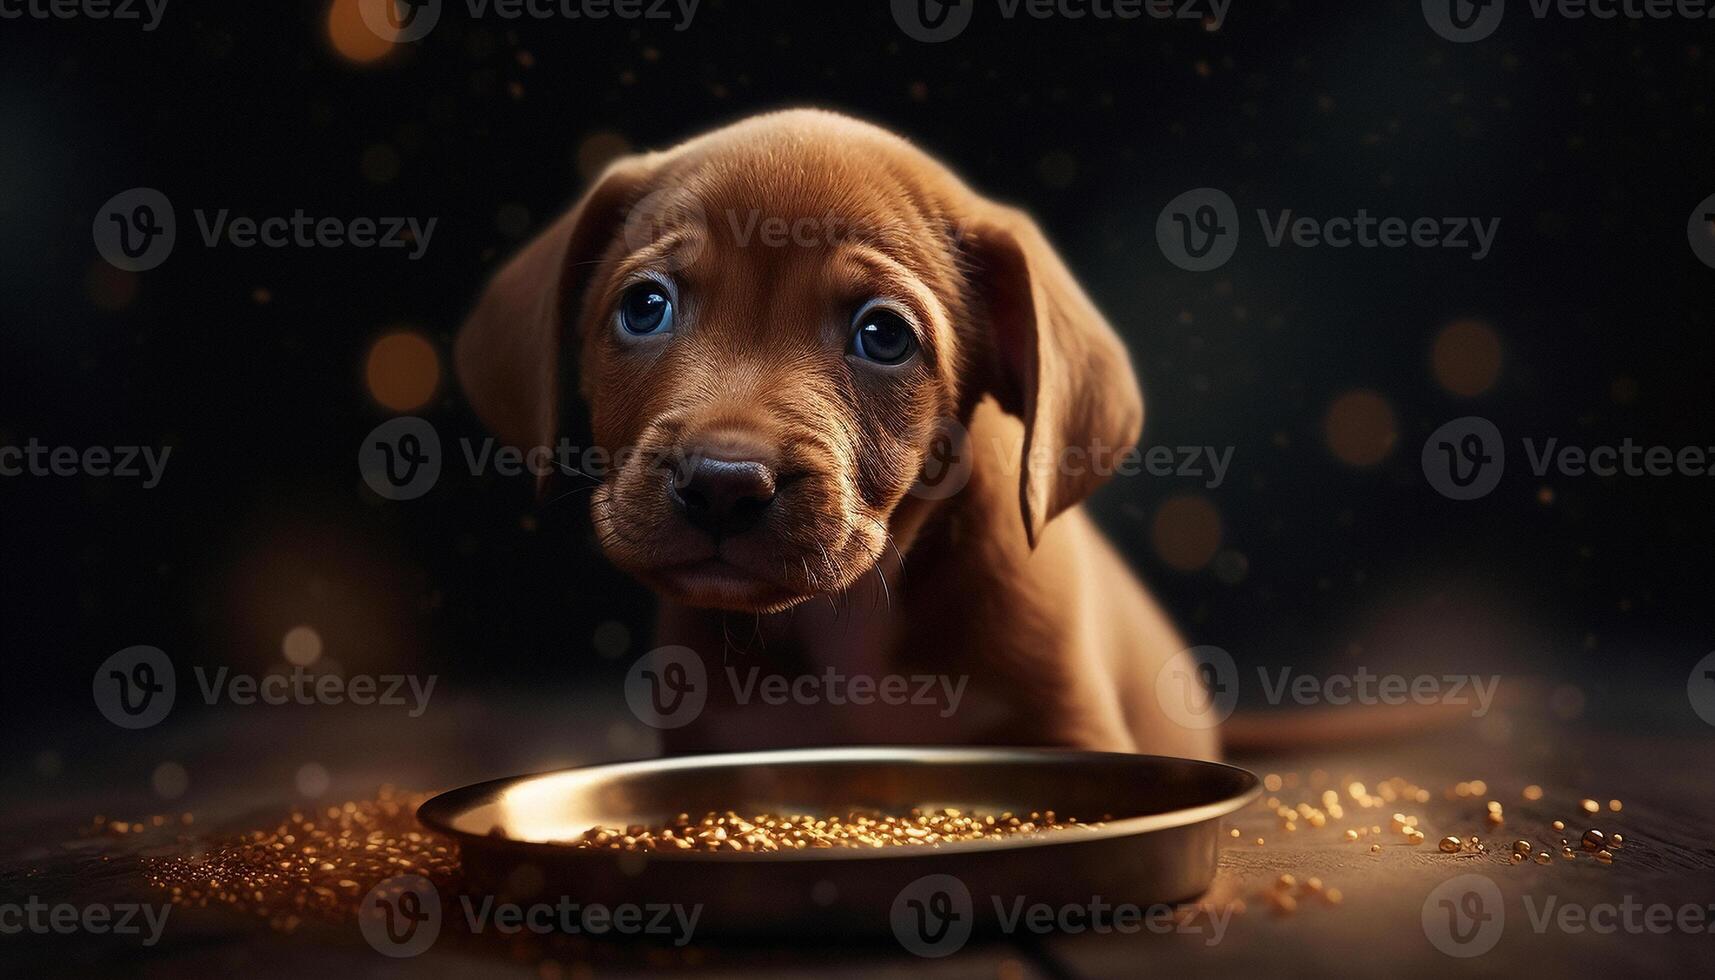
[{"x": 806, "y": 679}]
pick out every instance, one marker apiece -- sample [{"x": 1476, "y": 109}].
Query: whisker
[
  {"x": 568, "y": 493},
  {"x": 887, "y": 539},
  {"x": 887, "y": 593}
]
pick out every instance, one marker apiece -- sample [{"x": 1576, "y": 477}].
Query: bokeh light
[
  {"x": 49, "y": 763},
  {"x": 351, "y": 37},
  {"x": 170, "y": 780},
  {"x": 403, "y": 370},
  {"x": 1232, "y": 566},
  {"x": 599, "y": 149},
  {"x": 633, "y": 741},
  {"x": 313, "y": 780},
  {"x": 1567, "y": 702},
  {"x": 1058, "y": 169},
  {"x": 379, "y": 163},
  {"x": 1186, "y": 532},
  {"x": 109, "y": 288},
  {"x": 1466, "y": 357},
  {"x": 302, "y": 646},
  {"x": 1360, "y": 428},
  {"x": 611, "y": 639}
]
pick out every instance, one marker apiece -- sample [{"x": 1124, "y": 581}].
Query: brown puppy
[{"x": 778, "y": 320}]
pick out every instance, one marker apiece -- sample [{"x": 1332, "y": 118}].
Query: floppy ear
[
  {"x": 1058, "y": 365},
  {"x": 508, "y": 353}
]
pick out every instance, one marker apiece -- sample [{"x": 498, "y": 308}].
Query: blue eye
[
  {"x": 645, "y": 309},
  {"x": 884, "y": 337}
]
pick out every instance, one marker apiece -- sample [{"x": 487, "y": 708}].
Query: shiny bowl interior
[{"x": 1136, "y": 794}]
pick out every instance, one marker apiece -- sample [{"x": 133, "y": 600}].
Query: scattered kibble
[
  {"x": 314, "y": 863},
  {"x": 1325, "y": 806}
]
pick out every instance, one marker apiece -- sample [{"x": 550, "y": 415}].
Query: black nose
[{"x": 722, "y": 496}]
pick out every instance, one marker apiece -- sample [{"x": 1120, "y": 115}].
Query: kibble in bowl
[
  {"x": 764, "y": 832},
  {"x": 828, "y": 839}
]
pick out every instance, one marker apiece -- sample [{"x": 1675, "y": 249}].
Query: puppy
[{"x": 786, "y": 324}]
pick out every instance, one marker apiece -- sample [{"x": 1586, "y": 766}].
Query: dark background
[{"x": 1589, "y": 140}]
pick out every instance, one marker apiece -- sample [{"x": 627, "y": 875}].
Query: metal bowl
[{"x": 1160, "y": 844}]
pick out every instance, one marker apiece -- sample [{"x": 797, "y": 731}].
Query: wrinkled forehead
[{"x": 819, "y": 221}]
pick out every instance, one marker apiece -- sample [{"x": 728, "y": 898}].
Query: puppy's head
[{"x": 770, "y": 324}]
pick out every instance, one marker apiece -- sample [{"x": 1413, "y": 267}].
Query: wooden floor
[{"x": 242, "y": 771}]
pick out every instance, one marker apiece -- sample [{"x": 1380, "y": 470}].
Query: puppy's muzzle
[{"x": 722, "y": 490}]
